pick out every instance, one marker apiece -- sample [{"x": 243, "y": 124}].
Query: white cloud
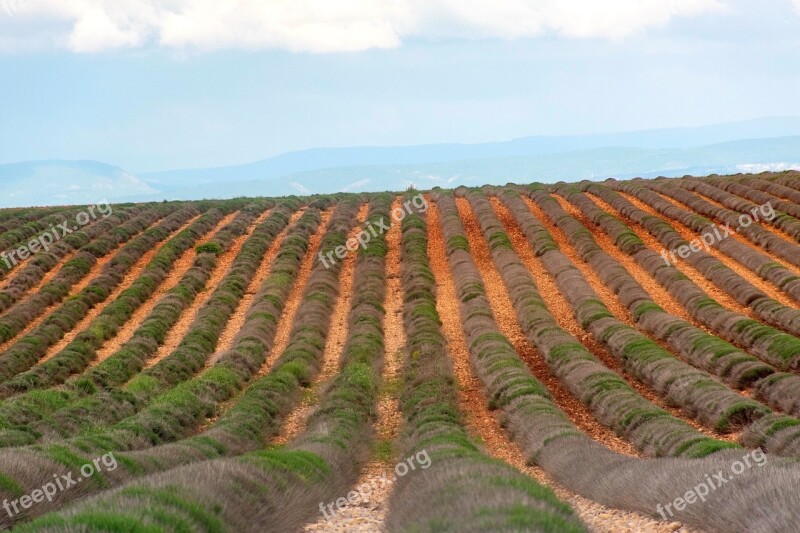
[
  {"x": 320, "y": 26},
  {"x": 757, "y": 168},
  {"x": 796, "y": 5},
  {"x": 98, "y": 29}
]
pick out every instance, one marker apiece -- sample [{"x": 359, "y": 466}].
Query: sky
[{"x": 159, "y": 84}]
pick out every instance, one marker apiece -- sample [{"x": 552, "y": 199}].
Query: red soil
[
  {"x": 295, "y": 423},
  {"x": 132, "y": 275},
  {"x": 239, "y": 316},
  {"x": 537, "y": 270},
  {"x": 77, "y": 288},
  {"x": 687, "y": 233},
  {"x": 741, "y": 238},
  {"x": 484, "y": 424},
  {"x": 182, "y": 265},
  {"x": 295, "y": 296},
  {"x": 725, "y": 299},
  {"x": 224, "y": 263}
]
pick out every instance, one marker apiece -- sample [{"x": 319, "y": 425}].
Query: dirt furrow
[
  {"x": 724, "y": 299},
  {"x": 369, "y": 516},
  {"x": 659, "y": 294},
  {"x": 560, "y": 308},
  {"x": 132, "y": 275},
  {"x": 533, "y": 264},
  {"x": 285, "y": 320},
  {"x": 239, "y": 316},
  {"x": 295, "y": 423},
  {"x": 688, "y": 234},
  {"x": 77, "y": 288},
  {"x": 48, "y": 277},
  {"x": 739, "y": 237},
  {"x": 11, "y": 274},
  {"x": 182, "y": 265},
  {"x": 765, "y": 226},
  {"x": 224, "y": 262},
  {"x": 483, "y": 423},
  {"x": 295, "y": 297}
]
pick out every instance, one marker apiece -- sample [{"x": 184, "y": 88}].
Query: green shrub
[{"x": 210, "y": 248}]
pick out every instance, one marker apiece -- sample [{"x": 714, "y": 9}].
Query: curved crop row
[
  {"x": 253, "y": 417},
  {"x": 251, "y": 343},
  {"x": 23, "y": 312},
  {"x": 122, "y": 407},
  {"x": 492, "y": 495},
  {"x": 583, "y": 465},
  {"x": 777, "y": 433},
  {"x": 757, "y": 262},
  {"x": 610, "y": 398},
  {"x": 26, "y": 351},
  {"x": 26, "y": 417},
  {"x": 702, "y": 350},
  {"x": 128, "y": 224},
  {"x": 22, "y": 234},
  {"x": 36, "y": 268},
  {"x": 769, "y": 344},
  {"x": 774, "y": 188},
  {"x": 85, "y": 398},
  {"x": 695, "y": 391},
  {"x": 769, "y": 310},
  {"x": 780, "y": 390},
  {"x": 743, "y": 198},
  {"x": 82, "y": 350},
  {"x": 288, "y": 483},
  {"x": 788, "y": 179},
  {"x": 776, "y": 389},
  {"x": 542, "y": 376},
  {"x": 756, "y": 234},
  {"x": 15, "y": 217},
  {"x": 767, "y": 192}
]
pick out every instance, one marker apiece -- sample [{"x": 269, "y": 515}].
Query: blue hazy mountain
[
  {"x": 327, "y": 158},
  {"x": 753, "y": 146},
  {"x": 57, "y": 182},
  {"x": 753, "y": 155}
]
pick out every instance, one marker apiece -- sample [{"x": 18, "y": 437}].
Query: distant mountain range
[
  {"x": 67, "y": 182},
  {"x": 751, "y": 146}
]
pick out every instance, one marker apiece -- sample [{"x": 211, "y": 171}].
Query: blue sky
[{"x": 197, "y": 83}]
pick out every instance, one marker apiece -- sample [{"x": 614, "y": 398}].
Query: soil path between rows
[
  {"x": 182, "y": 265},
  {"x": 295, "y": 422},
  {"x": 483, "y": 423},
  {"x": 224, "y": 262},
  {"x": 370, "y": 515}
]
